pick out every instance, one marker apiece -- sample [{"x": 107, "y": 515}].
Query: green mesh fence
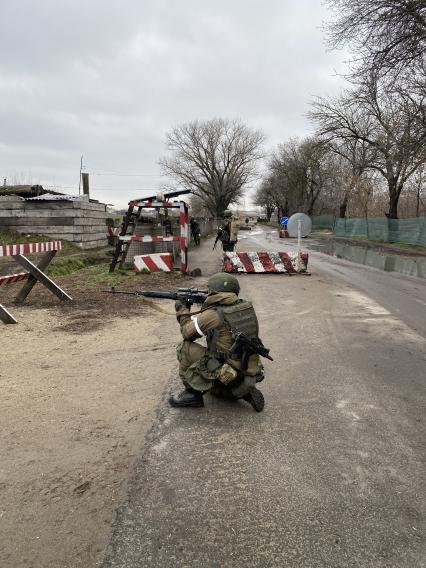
[
  {"x": 322, "y": 222},
  {"x": 407, "y": 231}
]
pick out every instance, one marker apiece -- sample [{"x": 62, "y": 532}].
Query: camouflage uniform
[
  {"x": 201, "y": 368},
  {"x": 227, "y": 233}
]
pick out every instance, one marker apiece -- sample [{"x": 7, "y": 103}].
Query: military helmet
[
  {"x": 222, "y": 282},
  {"x": 227, "y": 213}
]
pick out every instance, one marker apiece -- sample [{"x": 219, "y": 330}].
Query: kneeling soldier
[{"x": 222, "y": 368}]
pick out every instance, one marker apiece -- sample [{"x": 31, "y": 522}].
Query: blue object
[{"x": 283, "y": 220}]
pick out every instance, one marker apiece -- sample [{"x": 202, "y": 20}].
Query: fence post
[{"x": 421, "y": 240}]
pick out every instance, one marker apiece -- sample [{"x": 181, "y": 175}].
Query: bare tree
[
  {"x": 389, "y": 119},
  {"x": 386, "y": 35},
  {"x": 266, "y": 197},
  {"x": 198, "y": 207},
  {"x": 352, "y": 159},
  {"x": 298, "y": 168},
  {"x": 215, "y": 159}
]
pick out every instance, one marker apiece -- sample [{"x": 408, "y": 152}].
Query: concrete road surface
[{"x": 332, "y": 473}]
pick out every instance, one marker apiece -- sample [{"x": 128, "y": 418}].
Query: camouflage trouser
[
  {"x": 198, "y": 370},
  {"x": 228, "y": 246}
]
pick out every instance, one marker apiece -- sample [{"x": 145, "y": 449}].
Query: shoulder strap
[{"x": 213, "y": 334}]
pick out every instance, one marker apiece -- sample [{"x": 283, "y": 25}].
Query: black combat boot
[
  {"x": 255, "y": 398},
  {"x": 222, "y": 391},
  {"x": 188, "y": 397}
]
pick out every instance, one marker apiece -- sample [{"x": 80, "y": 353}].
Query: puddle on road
[{"x": 409, "y": 266}]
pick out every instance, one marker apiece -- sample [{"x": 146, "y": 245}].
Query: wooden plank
[
  {"x": 42, "y": 213},
  {"x": 10, "y": 197},
  {"x": 41, "y": 277},
  {"x": 29, "y": 284},
  {"x": 36, "y": 221},
  {"x": 5, "y": 316},
  {"x": 91, "y": 228},
  {"x": 58, "y": 230},
  {"x": 82, "y": 222},
  {"x": 6, "y": 205},
  {"x": 93, "y": 244},
  {"x": 92, "y": 215},
  {"x": 89, "y": 206},
  {"x": 93, "y": 236},
  {"x": 52, "y": 205},
  {"x": 55, "y": 230}
]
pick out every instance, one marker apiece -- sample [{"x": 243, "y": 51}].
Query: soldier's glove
[{"x": 182, "y": 310}]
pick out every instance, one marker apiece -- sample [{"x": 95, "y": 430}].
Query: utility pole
[
  {"x": 79, "y": 180},
  {"x": 85, "y": 179}
]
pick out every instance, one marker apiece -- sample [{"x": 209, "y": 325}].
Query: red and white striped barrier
[
  {"x": 259, "y": 262},
  {"x": 11, "y": 278},
  {"x": 29, "y": 248},
  {"x": 35, "y": 273},
  {"x": 161, "y": 204},
  {"x": 154, "y": 262},
  {"x": 183, "y": 239},
  {"x": 148, "y": 239}
]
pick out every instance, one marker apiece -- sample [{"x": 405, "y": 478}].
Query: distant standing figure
[
  {"x": 168, "y": 227},
  {"x": 228, "y": 232},
  {"x": 195, "y": 231}
]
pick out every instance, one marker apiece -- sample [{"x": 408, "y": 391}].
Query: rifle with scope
[{"x": 188, "y": 296}]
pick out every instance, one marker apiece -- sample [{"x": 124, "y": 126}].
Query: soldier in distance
[
  {"x": 228, "y": 232},
  {"x": 214, "y": 368},
  {"x": 195, "y": 231}
]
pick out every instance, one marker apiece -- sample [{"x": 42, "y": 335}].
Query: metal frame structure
[{"x": 130, "y": 220}]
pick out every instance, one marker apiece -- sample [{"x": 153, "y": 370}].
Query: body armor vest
[
  {"x": 233, "y": 230},
  {"x": 239, "y": 317}
]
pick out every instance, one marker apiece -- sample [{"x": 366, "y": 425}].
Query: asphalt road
[
  {"x": 332, "y": 473},
  {"x": 403, "y": 296}
]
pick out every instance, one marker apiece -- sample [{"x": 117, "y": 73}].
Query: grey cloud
[{"x": 108, "y": 79}]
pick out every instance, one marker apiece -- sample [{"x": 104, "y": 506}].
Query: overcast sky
[{"x": 107, "y": 79}]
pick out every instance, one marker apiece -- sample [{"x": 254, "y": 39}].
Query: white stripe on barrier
[
  {"x": 254, "y": 257},
  {"x": 297, "y": 261},
  {"x": 237, "y": 262},
  {"x": 147, "y": 239},
  {"x": 161, "y": 264},
  {"x": 153, "y": 262},
  {"x": 279, "y": 266}
]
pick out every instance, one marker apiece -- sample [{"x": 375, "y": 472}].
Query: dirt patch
[
  {"x": 92, "y": 306},
  {"x": 80, "y": 384}
]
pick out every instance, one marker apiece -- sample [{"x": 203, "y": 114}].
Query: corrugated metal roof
[
  {"x": 25, "y": 190},
  {"x": 54, "y": 197}
]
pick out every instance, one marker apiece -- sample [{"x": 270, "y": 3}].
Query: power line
[
  {"x": 123, "y": 175},
  {"x": 58, "y": 185},
  {"x": 125, "y": 189}
]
